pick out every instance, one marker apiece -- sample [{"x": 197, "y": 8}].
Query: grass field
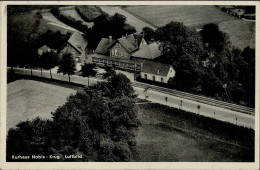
[
  {"x": 74, "y": 14},
  {"x": 23, "y": 23},
  {"x": 191, "y": 16},
  {"x": 241, "y": 32},
  {"x": 28, "y": 99},
  {"x": 158, "y": 141}
]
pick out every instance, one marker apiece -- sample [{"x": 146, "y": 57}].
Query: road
[{"x": 184, "y": 103}]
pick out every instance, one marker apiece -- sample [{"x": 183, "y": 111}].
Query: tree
[
  {"x": 183, "y": 49},
  {"x": 148, "y": 33},
  {"x": 49, "y": 60},
  {"x": 88, "y": 70},
  {"x": 120, "y": 85},
  {"x": 110, "y": 71},
  {"x": 67, "y": 65},
  {"x": 214, "y": 37},
  {"x": 30, "y": 137},
  {"x": 105, "y": 26}
]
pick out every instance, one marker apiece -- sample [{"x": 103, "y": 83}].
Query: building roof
[
  {"x": 103, "y": 45},
  {"x": 43, "y": 49},
  {"x": 78, "y": 41},
  {"x": 148, "y": 51},
  {"x": 153, "y": 67},
  {"x": 130, "y": 42}
]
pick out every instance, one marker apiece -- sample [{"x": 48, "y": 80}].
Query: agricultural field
[
  {"x": 130, "y": 18},
  {"x": 191, "y": 16},
  {"x": 29, "y": 99},
  {"x": 74, "y": 14},
  {"x": 23, "y": 23},
  {"x": 241, "y": 32},
  {"x": 158, "y": 140}
]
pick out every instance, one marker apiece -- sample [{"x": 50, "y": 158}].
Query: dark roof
[
  {"x": 150, "y": 51},
  {"x": 103, "y": 46},
  {"x": 130, "y": 42},
  {"x": 78, "y": 41},
  {"x": 153, "y": 67}
]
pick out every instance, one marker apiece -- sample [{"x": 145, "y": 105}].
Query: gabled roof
[
  {"x": 153, "y": 67},
  {"x": 43, "y": 49},
  {"x": 150, "y": 51},
  {"x": 78, "y": 42},
  {"x": 130, "y": 42},
  {"x": 103, "y": 46}
]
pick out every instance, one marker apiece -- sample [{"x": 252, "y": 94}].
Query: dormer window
[{"x": 158, "y": 71}]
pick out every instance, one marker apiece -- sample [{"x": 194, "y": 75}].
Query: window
[
  {"x": 145, "y": 76},
  {"x": 115, "y": 52},
  {"x": 162, "y": 80},
  {"x": 153, "y": 78},
  {"x": 112, "y": 52}
]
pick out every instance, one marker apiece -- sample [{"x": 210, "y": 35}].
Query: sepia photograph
[{"x": 130, "y": 83}]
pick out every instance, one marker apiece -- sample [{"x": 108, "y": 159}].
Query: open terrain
[
  {"x": 242, "y": 33},
  {"x": 74, "y": 14},
  {"x": 23, "y": 24},
  {"x": 191, "y": 16},
  {"x": 158, "y": 139},
  {"x": 28, "y": 99}
]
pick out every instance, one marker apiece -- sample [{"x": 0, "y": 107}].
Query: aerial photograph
[{"x": 130, "y": 83}]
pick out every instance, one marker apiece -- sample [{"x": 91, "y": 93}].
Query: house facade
[
  {"x": 157, "y": 72},
  {"x": 76, "y": 45}
]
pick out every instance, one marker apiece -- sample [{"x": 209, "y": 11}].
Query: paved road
[{"x": 222, "y": 114}]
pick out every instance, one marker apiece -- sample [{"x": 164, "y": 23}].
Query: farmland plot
[
  {"x": 74, "y": 14},
  {"x": 157, "y": 141},
  {"x": 191, "y": 16},
  {"x": 28, "y": 99},
  {"x": 242, "y": 33}
]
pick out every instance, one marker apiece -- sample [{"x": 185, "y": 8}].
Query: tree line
[{"x": 227, "y": 73}]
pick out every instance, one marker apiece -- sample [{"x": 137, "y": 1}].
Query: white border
[{"x": 124, "y": 165}]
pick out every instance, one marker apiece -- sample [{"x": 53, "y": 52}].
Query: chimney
[
  {"x": 110, "y": 39},
  {"x": 158, "y": 71}
]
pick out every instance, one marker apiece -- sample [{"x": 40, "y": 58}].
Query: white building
[{"x": 157, "y": 71}]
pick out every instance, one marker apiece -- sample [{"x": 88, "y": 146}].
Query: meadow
[
  {"x": 28, "y": 99},
  {"x": 163, "y": 137},
  {"x": 241, "y": 32},
  {"x": 22, "y": 23},
  {"x": 74, "y": 14}
]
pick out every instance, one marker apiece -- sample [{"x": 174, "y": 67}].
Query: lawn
[
  {"x": 28, "y": 99},
  {"x": 241, "y": 33},
  {"x": 159, "y": 141}
]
